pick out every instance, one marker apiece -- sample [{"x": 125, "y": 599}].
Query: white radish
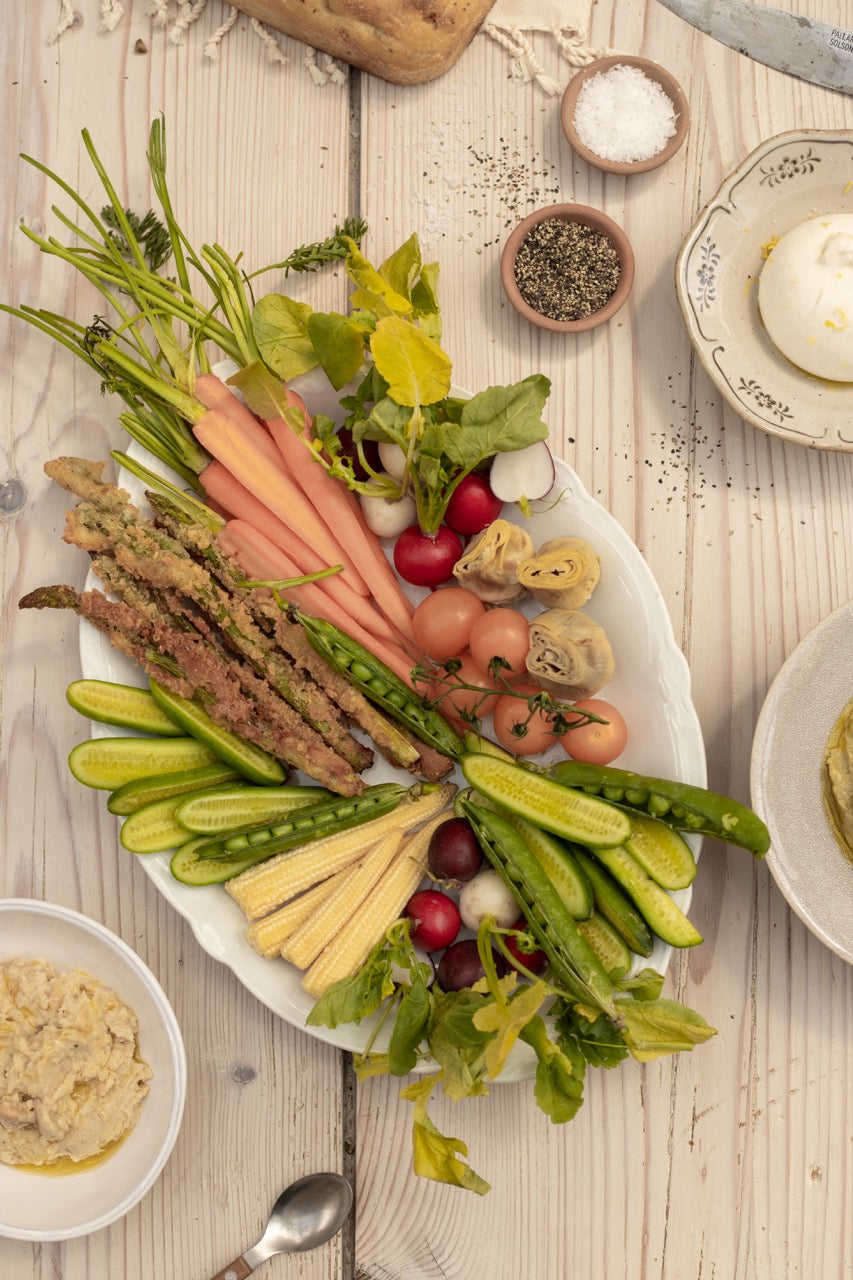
[
  {"x": 521, "y": 474},
  {"x": 487, "y": 895},
  {"x": 387, "y": 518},
  {"x": 393, "y": 459}
]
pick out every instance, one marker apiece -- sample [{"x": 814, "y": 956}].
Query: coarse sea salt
[{"x": 624, "y": 116}]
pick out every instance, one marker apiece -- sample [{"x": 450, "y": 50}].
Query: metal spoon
[{"x": 306, "y": 1214}]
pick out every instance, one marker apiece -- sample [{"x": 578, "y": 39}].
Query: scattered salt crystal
[{"x": 623, "y": 116}]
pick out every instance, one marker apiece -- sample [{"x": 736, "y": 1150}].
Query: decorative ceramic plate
[
  {"x": 804, "y": 702},
  {"x": 651, "y": 687},
  {"x": 788, "y": 179}
]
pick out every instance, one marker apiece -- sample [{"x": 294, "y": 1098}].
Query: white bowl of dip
[{"x": 41, "y": 1205}]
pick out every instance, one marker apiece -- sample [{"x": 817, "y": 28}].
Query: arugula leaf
[
  {"x": 434, "y": 1155},
  {"x": 456, "y": 1043},
  {"x": 592, "y": 1039},
  {"x": 499, "y": 420},
  {"x": 559, "y": 1086},
  {"x": 353, "y": 999},
  {"x": 339, "y": 343},
  {"x": 280, "y": 330},
  {"x": 411, "y": 1022},
  {"x": 657, "y": 1027},
  {"x": 507, "y": 1018},
  {"x": 414, "y": 366}
]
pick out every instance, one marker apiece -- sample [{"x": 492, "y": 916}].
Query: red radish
[
  {"x": 534, "y": 961},
  {"x": 523, "y": 473},
  {"x": 435, "y": 919},
  {"x": 472, "y": 505},
  {"x": 426, "y": 559}
]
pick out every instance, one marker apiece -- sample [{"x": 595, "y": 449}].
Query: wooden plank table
[{"x": 733, "y": 1162}]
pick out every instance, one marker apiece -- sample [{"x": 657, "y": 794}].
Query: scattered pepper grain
[{"x": 566, "y": 270}]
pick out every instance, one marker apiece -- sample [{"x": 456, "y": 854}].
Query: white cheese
[{"x": 805, "y": 296}]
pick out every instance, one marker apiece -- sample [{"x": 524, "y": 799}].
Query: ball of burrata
[{"x": 805, "y": 296}]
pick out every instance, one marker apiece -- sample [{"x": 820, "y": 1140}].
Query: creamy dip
[
  {"x": 71, "y": 1080},
  {"x": 838, "y": 779}
]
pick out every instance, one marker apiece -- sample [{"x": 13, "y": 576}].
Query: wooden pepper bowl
[
  {"x": 589, "y": 217},
  {"x": 652, "y": 71}
]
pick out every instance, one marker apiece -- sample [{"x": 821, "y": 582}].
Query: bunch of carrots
[{"x": 286, "y": 517}]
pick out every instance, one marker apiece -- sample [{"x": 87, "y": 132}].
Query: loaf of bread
[{"x": 405, "y": 41}]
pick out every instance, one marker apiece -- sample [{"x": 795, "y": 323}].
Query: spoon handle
[{"x": 236, "y": 1270}]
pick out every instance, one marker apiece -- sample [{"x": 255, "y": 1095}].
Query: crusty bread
[{"x": 405, "y": 41}]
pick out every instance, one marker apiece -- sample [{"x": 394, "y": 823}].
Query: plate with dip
[
  {"x": 800, "y": 711},
  {"x": 789, "y": 179},
  {"x": 66, "y": 1199}
]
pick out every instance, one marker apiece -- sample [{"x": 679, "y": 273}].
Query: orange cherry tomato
[
  {"x": 462, "y": 703},
  {"x": 520, "y": 730},
  {"x": 501, "y": 633},
  {"x": 442, "y": 622},
  {"x": 596, "y": 743}
]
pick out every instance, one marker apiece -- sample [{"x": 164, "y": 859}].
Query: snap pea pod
[
  {"x": 679, "y": 804},
  {"x": 574, "y": 963},
  {"x": 381, "y": 685},
  {"x": 310, "y": 823}
]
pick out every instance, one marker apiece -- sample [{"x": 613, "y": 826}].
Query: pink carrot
[
  {"x": 246, "y": 459},
  {"x": 222, "y": 486},
  {"x": 261, "y": 558},
  {"x": 336, "y": 504}
]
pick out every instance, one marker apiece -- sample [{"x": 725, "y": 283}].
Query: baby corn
[
  {"x": 324, "y": 925},
  {"x": 261, "y": 889},
  {"x": 268, "y": 934},
  {"x": 366, "y": 927}
]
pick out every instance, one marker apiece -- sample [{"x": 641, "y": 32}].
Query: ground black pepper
[{"x": 566, "y": 270}]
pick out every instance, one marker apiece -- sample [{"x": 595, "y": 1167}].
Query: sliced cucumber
[
  {"x": 615, "y": 905},
  {"x": 227, "y": 808},
  {"x": 187, "y": 867},
  {"x": 121, "y": 704},
  {"x": 153, "y": 828},
  {"x": 160, "y": 786},
  {"x": 560, "y": 866},
  {"x": 662, "y": 852},
  {"x": 574, "y": 815},
  {"x": 251, "y": 761},
  {"x": 662, "y": 915},
  {"x": 611, "y": 949},
  {"x": 108, "y": 763}
]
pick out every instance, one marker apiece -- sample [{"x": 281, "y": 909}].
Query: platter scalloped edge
[{"x": 651, "y": 687}]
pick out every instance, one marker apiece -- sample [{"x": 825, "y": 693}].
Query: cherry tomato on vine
[
  {"x": 456, "y": 700},
  {"x": 519, "y": 729},
  {"x": 596, "y": 743},
  {"x": 441, "y": 624},
  {"x": 500, "y": 633}
]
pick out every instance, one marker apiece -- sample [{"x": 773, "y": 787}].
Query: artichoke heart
[
  {"x": 562, "y": 574},
  {"x": 489, "y": 566},
  {"x": 838, "y": 780},
  {"x": 569, "y": 653}
]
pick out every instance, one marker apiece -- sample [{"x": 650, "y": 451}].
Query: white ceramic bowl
[{"x": 37, "y": 1207}]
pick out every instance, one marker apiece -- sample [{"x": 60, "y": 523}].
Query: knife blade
[{"x": 789, "y": 42}]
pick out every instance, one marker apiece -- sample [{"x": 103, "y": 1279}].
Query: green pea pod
[
  {"x": 310, "y": 823},
  {"x": 573, "y": 961},
  {"x": 680, "y": 805},
  {"x": 382, "y": 685}
]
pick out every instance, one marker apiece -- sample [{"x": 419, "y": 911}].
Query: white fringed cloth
[{"x": 510, "y": 22}]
